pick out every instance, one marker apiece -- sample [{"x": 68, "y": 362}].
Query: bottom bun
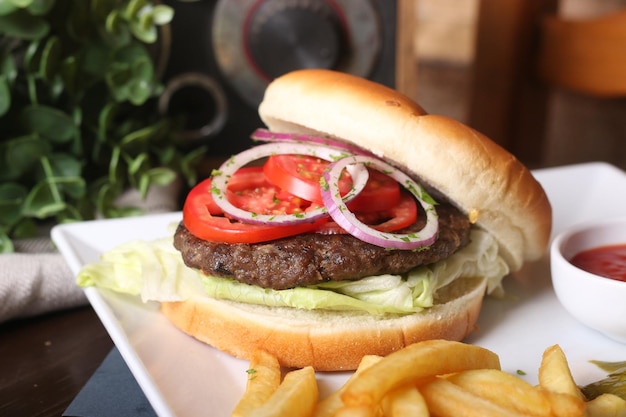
[{"x": 325, "y": 340}]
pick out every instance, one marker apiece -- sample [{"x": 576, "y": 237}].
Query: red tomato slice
[
  {"x": 300, "y": 175},
  {"x": 248, "y": 189},
  {"x": 402, "y": 215},
  {"x": 380, "y": 193},
  {"x": 202, "y": 219}
]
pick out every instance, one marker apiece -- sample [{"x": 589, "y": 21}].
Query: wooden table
[{"x": 46, "y": 360}]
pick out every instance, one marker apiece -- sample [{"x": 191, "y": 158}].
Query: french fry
[
  {"x": 505, "y": 390},
  {"x": 446, "y": 399},
  {"x": 606, "y": 405},
  {"x": 296, "y": 396},
  {"x": 414, "y": 363},
  {"x": 565, "y": 405},
  {"x": 263, "y": 379},
  {"x": 437, "y": 377},
  {"x": 357, "y": 411},
  {"x": 329, "y": 405},
  {"x": 555, "y": 375},
  {"x": 405, "y": 401}
]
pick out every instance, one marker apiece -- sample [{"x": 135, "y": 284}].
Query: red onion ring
[
  {"x": 348, "y": 221},
  {"x": 220, "y": 178}
]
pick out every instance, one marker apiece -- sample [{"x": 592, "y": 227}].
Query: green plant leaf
[
  {"x": 162, "y": 176},
  {"x": 79, "y": 24},
  {"x": 137, "y": 141},
  {"x": 65, "y": 165},
  {"x": 6, "y": 7},
  {"x": 116, "y": 29},
  {"x": 144, "y": 29},
  {"x": 133, "y": 8},
  {"x": 139, "y": 92},
  {"x": 190, "y": 162},
  {"x": 25, "y": 228},
  {"x": 115, "y": 167},
  {"x": 94, "y": 58},
  {"x": 50, "y": 58},
  {"x": 99, "y": 9},
  {"x": 42, "y": 202},
  {"x": 106, "y": 120},
  {"x": 20, "y": 155},
  {"x": 105, "y": 201},
  {"x": 131, "y": 53},
  {"x": 40, "y": 7},
  {"x": 64, "y": 171},
  {"x": 5, "y": 96},
  {"x": 8, "y": 68},
  {"x": 69, "y": 74},
  {"x": 49, "y": 122},
  {"x": 12, "y": 196},
  {"x": 114, "y": 23},
  {"x": 22, "y": 3},
  {"x": 155, "y": 176},
  {"x": 118, "y": 78},
  {"x": 143, "y": 71},
  {"x": 162, "y": 14},
  {"x": 6, "y": 244},
  {"x": 23, "y": 25},
  {"x": 73, "y": 187},
  {"x": 32, "y": 57},
  {"x": 139, "y": 164}
]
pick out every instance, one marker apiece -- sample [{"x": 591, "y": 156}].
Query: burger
[{"x": 360, "y": 224}]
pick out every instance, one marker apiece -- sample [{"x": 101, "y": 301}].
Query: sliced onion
[
  {"x": 221, "y": 177},
  {"x": 348, "y": 221},
  {"x": 268, "y": 136}
]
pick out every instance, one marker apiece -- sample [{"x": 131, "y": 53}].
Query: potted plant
[{"x": 78, "y": 118}]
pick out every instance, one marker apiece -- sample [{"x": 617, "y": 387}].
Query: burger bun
[{"x": 325, "y": 340}]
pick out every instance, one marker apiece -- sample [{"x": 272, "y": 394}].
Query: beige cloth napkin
[{"x": 36, "y": 280}]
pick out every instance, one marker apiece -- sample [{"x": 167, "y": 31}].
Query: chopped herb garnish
[{"x": 323, "y": 183}]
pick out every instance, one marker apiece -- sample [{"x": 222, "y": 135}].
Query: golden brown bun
[
  {"x": 328, "y": 341},
  {"x": 473, "y": 172}
]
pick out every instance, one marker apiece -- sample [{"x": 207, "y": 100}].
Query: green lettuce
[{"x": 155, "y": 271}]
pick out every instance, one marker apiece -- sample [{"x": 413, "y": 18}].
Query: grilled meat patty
[{"x": 313, "y": 258}]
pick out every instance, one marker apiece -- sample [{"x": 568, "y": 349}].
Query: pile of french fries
[{"x": 433, "y": 378}]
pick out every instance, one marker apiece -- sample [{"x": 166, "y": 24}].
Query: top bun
[{"x": 481, "y": 178}]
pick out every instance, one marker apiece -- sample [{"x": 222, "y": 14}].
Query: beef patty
[{"x": 313, "y": 258}]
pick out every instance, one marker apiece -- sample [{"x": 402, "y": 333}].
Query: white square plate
[{"x": 183, "y": 377}]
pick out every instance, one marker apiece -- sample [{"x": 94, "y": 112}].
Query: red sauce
[{"x": 607, "y": 261}]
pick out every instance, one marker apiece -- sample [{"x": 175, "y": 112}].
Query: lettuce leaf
[{"x": 155, "y": 271}]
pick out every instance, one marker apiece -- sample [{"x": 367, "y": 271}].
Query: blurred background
[
  {"x": 558, "y": 125},
  {"x": 495, "y": 65}
]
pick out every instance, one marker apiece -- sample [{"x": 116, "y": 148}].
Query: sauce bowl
[{"x": 594, "y": 300}]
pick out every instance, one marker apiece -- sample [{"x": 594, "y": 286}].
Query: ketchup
[{"x": 607, "y": 261}]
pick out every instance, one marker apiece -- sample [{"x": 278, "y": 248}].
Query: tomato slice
[
  {"x": 400, "y": 216},
  {"x": 300, "y": 175},
  {"x": 396, "y": 218},
  {"x": 203, "y": 218},
  {"x": 381, "y": 193},
  {"x": 248, "y": 189}
]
